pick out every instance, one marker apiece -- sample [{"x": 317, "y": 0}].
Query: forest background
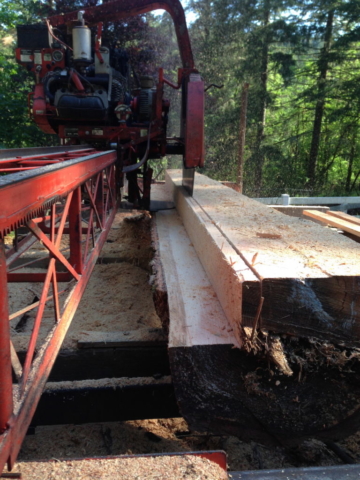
[{"x": 301, "y": 60}]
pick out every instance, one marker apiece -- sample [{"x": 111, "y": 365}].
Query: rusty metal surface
[
  {"x": 194, "y": 122},
  {"x": 6, "y": 401}
]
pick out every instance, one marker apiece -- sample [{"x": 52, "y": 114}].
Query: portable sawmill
[
  {"x": 111, "y": 120},
  {"x": 87, "y": 93}
]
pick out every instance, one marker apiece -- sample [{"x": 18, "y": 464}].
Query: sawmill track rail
[{"x": 65, "y": 198}]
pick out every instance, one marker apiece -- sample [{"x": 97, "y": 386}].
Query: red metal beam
[
  {"x": 36, "y": 277},
  {"x": 10, "y": 441},
  {"x": 6, "y": 402},
  {"x": 39, "y": 159},
  {"x": 28, "y": 195}
]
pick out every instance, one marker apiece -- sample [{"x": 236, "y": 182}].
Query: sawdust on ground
[
  {"x": 171, "y": 435},
  {"x": 111, "y": 301},
  {"x": 149, "y": 468}
]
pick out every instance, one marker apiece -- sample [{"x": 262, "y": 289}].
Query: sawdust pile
[
  {"x": 149, "y": 468},
  {"x": 171, "y": 435}
]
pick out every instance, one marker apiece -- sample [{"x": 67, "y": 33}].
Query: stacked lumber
[
  {"x": 340, "y": 220},
  {"x": 304, "y": 280},
  {"x": 254, "y": 298}
]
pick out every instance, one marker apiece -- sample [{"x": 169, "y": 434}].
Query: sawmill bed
[
  {"x": 114, "y": 362},
  {"x": 107, "y": 360}
]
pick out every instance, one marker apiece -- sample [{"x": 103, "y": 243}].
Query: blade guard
[{"x": 194, "y": 123}]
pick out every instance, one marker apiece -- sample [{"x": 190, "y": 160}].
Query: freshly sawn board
[{"x": 309, "y": 277}]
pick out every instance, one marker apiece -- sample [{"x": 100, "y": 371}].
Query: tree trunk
[
  {"x": 323, "y": 65},
  {"x": 258, "y": 155},
  {"x": 242, "y": 132},
  {"x": 351, "y": 163}
]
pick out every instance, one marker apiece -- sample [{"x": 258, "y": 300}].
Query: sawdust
[
  {"x": 129, "y": 240},
  {"x": 150, "y": 468},
  {"x": 112, "y": 300},
  {"x": 168, "y": 435}
]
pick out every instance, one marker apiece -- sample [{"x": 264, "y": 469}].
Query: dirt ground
[{"x": 126, "y": 304}]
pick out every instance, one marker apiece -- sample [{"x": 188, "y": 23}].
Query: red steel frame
[
  {"x": 78, "y": 200},
  {"x": 29, "y": 162},
  {"x": 119, "y": 9}
]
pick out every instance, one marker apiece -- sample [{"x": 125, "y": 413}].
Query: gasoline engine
[{"x": 85, "y": 82}]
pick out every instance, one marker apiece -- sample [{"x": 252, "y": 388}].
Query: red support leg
[
  {"x": 75, "y": 229},
  {"x": 6, "y": 396},
  {"x": 99, "y": 200}
]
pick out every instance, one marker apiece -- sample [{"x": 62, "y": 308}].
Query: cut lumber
[
  {"x": 345, "y": 216},
  {"x": 227, "y": 271},
  {"x": 199, "y": 332},
  {"x": 227, "y": 390},
  {"x": 197, "y": 316},
  {"x": 307, "y": 275},
  {"x": 340, "y": 221}
]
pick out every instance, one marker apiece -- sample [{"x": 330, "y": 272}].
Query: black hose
[{"x": 48, "y": 80}]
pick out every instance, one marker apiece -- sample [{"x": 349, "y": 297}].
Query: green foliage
[
  {"x": 300, "y": 59},
  {"x": 16, "y": 128}
]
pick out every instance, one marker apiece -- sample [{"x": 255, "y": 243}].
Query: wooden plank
[
  {"x": 226, "y": 270},
  {"x": 195, "y": 312},
  {"x": 340, "y": 223},
  {"x": 308, "y": 275},
  {"x": 345, "y": 216},
  {"x": 135, "y": 338}
]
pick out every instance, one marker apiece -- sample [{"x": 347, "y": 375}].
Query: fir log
[
  {"x": 223, "y": 389},
  {"x": 308, "y": 276}
]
